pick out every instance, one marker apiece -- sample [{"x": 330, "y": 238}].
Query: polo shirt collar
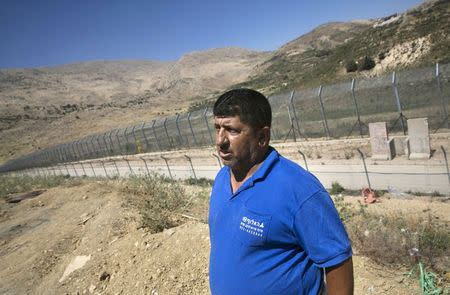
[{"x": 271, "y": 158}]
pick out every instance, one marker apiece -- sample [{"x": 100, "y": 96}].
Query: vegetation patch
[
  {"x": 394, "y": 239},
  {"x": 157, "y": 199},
  {"x": 19, "y": 184}
]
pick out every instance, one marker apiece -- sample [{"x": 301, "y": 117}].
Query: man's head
[
  {"x": 242, "y": 119},
  {"x": 249, "y": 105}
]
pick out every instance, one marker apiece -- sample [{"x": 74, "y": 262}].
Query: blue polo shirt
[{"x": 275, "y": 233}]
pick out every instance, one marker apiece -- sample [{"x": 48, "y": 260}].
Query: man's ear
[{"x": 264, "y": 136}]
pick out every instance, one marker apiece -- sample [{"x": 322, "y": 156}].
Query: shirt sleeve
[{"x": 320, "y": 231}]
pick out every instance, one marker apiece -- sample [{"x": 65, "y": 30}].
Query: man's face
[{"x": 236, "y": 143}]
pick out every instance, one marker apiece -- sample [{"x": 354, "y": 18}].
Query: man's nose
[{"x": 221, "y": 137}]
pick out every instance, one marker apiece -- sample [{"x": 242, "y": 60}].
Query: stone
[
  {"x": 381, "y": 146},
  {"x": 76, "y": 263},
  {"x": 104, "y": 276},
  {"x": 419, "y": 139}
]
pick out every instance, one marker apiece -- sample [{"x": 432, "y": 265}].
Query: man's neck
[{"x": 241, "y": 174}]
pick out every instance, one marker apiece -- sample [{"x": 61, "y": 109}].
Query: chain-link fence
[{"x": 330, "y": 111}]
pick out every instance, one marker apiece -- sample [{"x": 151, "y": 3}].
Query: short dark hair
[{"x": 251, "y": 106}]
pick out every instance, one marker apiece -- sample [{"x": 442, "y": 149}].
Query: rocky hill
[
  {"x": 417, "y": 37},
  {"x": 46, "y": 106}
]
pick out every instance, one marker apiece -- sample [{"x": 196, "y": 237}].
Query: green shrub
[
  {"x": 156, "y": 199},
  {"x": 336, "y": 188},
  {"x": 351, "y": 66},
  {"x": 366, "y": 63}
]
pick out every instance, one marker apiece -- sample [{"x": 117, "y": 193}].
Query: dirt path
[{"x": 40, "y": 237}]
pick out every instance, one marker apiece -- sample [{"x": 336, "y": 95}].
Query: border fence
[{"x": 329, "y": 111}]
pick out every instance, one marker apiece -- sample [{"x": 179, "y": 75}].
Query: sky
[{"x": 41, "y": 33}]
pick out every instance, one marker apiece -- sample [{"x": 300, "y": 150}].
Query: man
[{"x": 273, "y": 227}]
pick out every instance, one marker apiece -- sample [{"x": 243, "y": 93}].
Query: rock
[
  {"x": 92, "y": 289},
  {"x": 105, "y": 276},
  {"x": 77, "y": 263},
  {"x": 169, "y": 231}
]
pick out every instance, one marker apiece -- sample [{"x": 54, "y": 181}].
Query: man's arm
[{"x": 340, "y": 278}]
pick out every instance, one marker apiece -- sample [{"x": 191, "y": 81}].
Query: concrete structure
[
  {"x": 418, "y": 139},
  {"x": 400, "y": 145},
  {"x": 382, "y": 147}
]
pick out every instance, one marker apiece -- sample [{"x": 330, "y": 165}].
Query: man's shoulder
[{"x": 291, "y": 175}]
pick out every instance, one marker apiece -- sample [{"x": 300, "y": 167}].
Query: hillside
[
  {"x": 412, "y": 39},
  {"x": 45, "y": 106}
]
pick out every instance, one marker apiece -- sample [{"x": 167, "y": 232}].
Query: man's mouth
[{"x": 224, "y": 154}]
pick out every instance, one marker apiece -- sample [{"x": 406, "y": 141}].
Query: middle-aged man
[{"x": 274, "y": 228}]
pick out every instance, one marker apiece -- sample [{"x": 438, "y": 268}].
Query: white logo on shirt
[{"x": 252, "y": 226}]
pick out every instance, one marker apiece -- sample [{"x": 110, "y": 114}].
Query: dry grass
[
  {"x": 157, "y": 199},
  {"x": 18, "y": 184},
  {"x": 394, "y": 239}
]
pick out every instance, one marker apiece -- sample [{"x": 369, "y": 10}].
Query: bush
[
  {"x": 366, "y": 63},
  {"x": 336, "y": 188},
  {"x": 351, "y": 66},
  {"x": 395, "y": 239},
  {"x": 156, "y": 200},
  {"x": 203, "y": 182}
]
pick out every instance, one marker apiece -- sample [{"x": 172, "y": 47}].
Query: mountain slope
[{"x": 417, "y": 37}]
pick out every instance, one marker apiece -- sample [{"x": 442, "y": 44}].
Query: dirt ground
[{"x": 40, "y": 237}]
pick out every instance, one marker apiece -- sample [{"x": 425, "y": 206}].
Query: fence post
[
  {"x": 72, "y": 145},
  {"x": 156, "y": 137},
  {"x": 145, "y": 137},
  {"x": 111, "y": 148},
  {"x": 54, "y": 170},
  {"x": 356, "y": 109},
  {"x": 129, "y": 166},
  {"x": 207, "y": 125},
  {"x": 295, "y": 115},
  {"x": 92, "y": 167},
  {"x": 365, "y": 168},
  {"x": 118, "y": 141},
  {"x": 322, "y": 111},
  {"x": 399, "y": 105},
  {"x": 107, "y": 152},
  {"x": 292, "y": 129},
  {"x": 179, "y": 131},
  {"x": 304, "y": 159},
  {"x": 86, "y": 146},
  {"x": 168, "y": 167},
  {"x": 94, "y": 150},
  {"x": 100, "y": 150},
  {"x": 446, "y": 164},
  {"x": 218, "y": 160},
  {"x": 117, "y": 169},
  {"x": 82, "y": 167},
  {"x": 192, "y": 166},
  {"x": 74, "y": 169},
  {"x": 104, "y": 169},
  {"x": 78, "y": 149},
  {"x": 146, "y": 166},
  {"x": 126, "y": 140},
  {"x": 192, "y": 130},
  {"x": 167, "y": 133},
  {"x": 443, "y": 100},
  {"x": 136, "y": 149}
]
